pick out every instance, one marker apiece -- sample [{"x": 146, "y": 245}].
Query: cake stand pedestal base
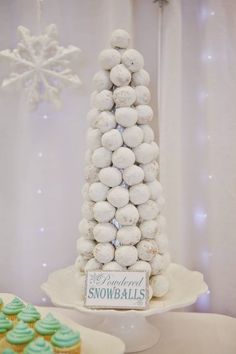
[{"x": 135, "y": 331}]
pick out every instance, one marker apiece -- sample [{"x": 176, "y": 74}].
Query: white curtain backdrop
[
  {"x": 196, "y": 133},
  {"x": 42, "y": 153},
  {"x": 197, "y": 139}
]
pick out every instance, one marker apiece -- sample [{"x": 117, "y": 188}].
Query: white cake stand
[{"x": 129, "y": 325}]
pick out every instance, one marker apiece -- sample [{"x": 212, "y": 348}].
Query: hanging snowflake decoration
[{"x": 41, "y": 66}]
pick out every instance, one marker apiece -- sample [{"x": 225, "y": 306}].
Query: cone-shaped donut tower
[{"x": 122, "y": 226}]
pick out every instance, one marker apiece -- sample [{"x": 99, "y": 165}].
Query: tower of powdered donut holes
[{"x": 122, "y": 226}]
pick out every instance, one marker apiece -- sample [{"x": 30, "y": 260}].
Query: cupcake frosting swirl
[
  {"x": 5, "y": 324},
  {"x": 48, "y": 325},
  {"x": 29, "y": 314},
  {"x": 14, "y": 307},
  {"x": 65, "y": 337},
  {"x": 8, "y": 351},
  {"x": 20, "y": 334},
  {"x": 39, "y": 346}
]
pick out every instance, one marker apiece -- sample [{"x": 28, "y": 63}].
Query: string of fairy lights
[
  {"x": 200, "y": 215},
  {"x": 40, "y": 192}
]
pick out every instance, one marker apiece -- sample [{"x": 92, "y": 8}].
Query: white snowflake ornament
[{"x": 41, "y": 66}]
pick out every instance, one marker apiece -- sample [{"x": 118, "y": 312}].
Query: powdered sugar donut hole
[
  {"x": 108, "y": 58},
  {"x": 92, "y": 117},
  {"x": 143, "y": 95},
  {"x": 162, "y": 243},
  {"x": 148, "y": 210},
  {"x": 126, "y": 255},
  {"x": 84, "y": 191},
  {"x": 120, "y": 75},
  {"x": 101, "y": 157},
  {"x": 110, "y": 176},
  {"x": 124, "y": 96},
  {"x": 139, "y": 194},
  {"x": 91, "y": 173},
  {"x": 118, "y": 196},
  {"x": 87, "y": 209},
  {"x": 145, "y": 114},
  {"x": 80, "y": 263},
  {"x": 120, "y": 39},
  {"x": 112, "y": 140},
  {"x": 155, "y": 189},
  {"x": 123, "y": 157},
  {"x": 126, "y": 116},
  {"x": 92, "y": 98},
  {"x": 104, "y": 252},
  {"x": 104, "y": 232},
  {"x": 101, "y": 80},
  {"x": 86, "y": 228},
  {"x": 98, "y": 191},
  {"x": 160, "y": 263},
  {"x": 133, "y": 175},
  {"x": 129, "y": 235},
  {"x": 104, "y": 100},
  {"x": 103, "y": 211},
  {"x": 144, "y": 153},
  {"x": 155, "y": 150},
  {"x": 149, "y": 229},
  {"x": 133, "y": 60},
  {"x": 113, "y": 266},
  {"x": 92, "y": 264},
  {"x": 150, "y": 292},
  {"x": 105, "y": 121},
  {"x": 147, "y": 249},
  {"x": 88, "y": 157},
  {"x": 140, "y": 77},
  {"x": 132, "y": 136},
  {"x": 150, "y": 171},
  {"x": 143, "y": 266},
  {"x": 85, "y": 247},
  {"x": 93, "y": 138},
  {"x": 127, "y": 215},
  {"x": 160, "y": 285},
  {"x": 148, "y": 134}
]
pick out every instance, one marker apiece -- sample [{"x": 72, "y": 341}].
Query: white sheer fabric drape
[
  {"x": 42, "y": 152},
  {"x": 198, "y": 145}
]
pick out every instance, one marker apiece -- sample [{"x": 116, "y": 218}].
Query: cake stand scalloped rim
[{"x": 178, "y": 274}]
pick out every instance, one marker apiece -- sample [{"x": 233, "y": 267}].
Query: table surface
[{"x": 182, "y": 332}]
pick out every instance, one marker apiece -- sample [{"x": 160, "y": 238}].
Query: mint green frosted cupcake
[
  {"x": 66, "y": 341},
  {"x": 19, "y": 337},
  {"x": 1, "y": 303},
  {"x": 8, "y": 351},
  {"x": 39, "y": 346},
  {"x": 47, "y": 326},
  {"x": 29, "y": 315},
  {"x": 12, "y": 309},
  {"x": 5, "y": 325}
]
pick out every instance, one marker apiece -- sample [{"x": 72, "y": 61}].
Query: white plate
[{"x": 93, "y": 342}]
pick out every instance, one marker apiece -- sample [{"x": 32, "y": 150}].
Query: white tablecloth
[{"x": 183, "y": 332}]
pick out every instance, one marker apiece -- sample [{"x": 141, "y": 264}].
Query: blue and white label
[{"x": 116, "y": 289}]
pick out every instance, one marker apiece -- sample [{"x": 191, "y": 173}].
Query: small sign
[{"x": 117, "y": 289}]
